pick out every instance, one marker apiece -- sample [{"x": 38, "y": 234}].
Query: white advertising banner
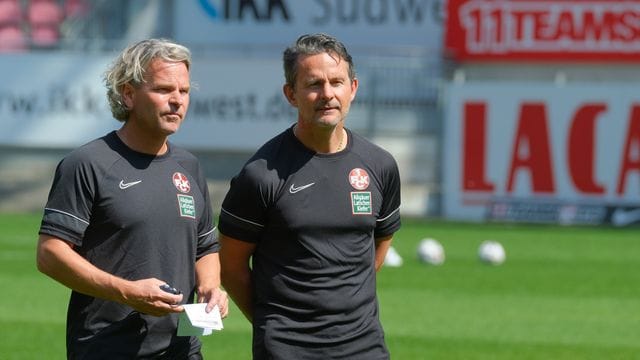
[
  {"x": 279, "y": 22},
  {"x": 524, "y": 151},
  {"x": 58, "y": 100}
]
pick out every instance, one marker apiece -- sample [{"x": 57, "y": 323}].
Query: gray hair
[
  {"x": 129, "y": 68},
  {"x": 313, "y": 44}
]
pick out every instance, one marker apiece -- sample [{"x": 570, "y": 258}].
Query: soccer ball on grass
[
  {"x": 491, "y": 252},
  {"x": 431, "y": 252}
]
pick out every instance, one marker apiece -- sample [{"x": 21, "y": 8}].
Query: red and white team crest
[
  {"x": 181, "y": 182},
  {"x": 359, "y": 179}
]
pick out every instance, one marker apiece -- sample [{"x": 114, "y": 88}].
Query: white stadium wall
[{"x": 63, "y": 103}]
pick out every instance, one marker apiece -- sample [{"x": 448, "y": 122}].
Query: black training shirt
[
  {"x": 314, "y": 218},
  {"x": 135, "y": 216}
]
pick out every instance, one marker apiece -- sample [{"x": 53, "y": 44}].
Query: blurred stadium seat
[
  {"x": 44, "y": 35},
  {"x": 12, "y": 38},
  {"x": 10, "y": 12},
  {"x": 44, "y": 18},
  {"x": 76, "y": 8}
]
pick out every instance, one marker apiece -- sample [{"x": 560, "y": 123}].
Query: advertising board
[
  {"x": 516, "y": 150},
  {"x": 542, "y": 30},
  {"x": 277, "y": 23}
]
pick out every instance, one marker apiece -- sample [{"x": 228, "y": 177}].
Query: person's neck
[
  {"x": 140, "y": 142},
  {"x": 324, "y": 142}
]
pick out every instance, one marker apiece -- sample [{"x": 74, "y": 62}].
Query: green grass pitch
[{"x": 563, "y": 293}]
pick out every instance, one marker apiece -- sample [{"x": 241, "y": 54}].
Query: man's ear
[
  {"x": 354, "y": 88},
  {"x": 128, "y": 95},
  {"x": 289, "y": 94}
]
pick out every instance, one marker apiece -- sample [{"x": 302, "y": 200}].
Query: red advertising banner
[
  {"x": 543, "y": 30},
  {"x": 517, "y": 150}
]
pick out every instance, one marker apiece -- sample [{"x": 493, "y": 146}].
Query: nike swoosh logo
[
  {"x": 124, "y": 185},
  {"x": 294, "y": 189},
  {"x": 622, "y": 217}
]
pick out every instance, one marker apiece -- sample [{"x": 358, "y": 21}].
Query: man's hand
[
  {"x": 214, "y": 296},
  {"x": 147, "y": 297}
]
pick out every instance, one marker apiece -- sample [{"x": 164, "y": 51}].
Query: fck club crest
[
  {"x": 359, "y": 179},
  {"x": 181, "y": 182}
]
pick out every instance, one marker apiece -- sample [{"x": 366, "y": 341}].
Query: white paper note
[{"x": 195, "y": 321}]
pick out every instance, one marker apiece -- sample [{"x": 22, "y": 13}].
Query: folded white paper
[{"x": 195, "y": 321}]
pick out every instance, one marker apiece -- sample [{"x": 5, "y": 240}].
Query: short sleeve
[
  {"x": 389, "y": 220},
  {"x": 68, "y": 209},
  {"x": 207, "y": 236},
  {"x": 242, "y": 215}
]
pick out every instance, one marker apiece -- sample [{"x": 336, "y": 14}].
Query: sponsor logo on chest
[
  {"x": 361, "y": 202},
  {"x": 187, "y": 206}
]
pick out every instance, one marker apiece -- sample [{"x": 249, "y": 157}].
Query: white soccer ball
[
  {"x": 431, "y": 252},
  {"x": 491, "y": 252},
  {"x": 392, "y": 259}
]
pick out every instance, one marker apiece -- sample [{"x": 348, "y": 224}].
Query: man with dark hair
[
  {"x": 128, "y": 224},
  {"x": 308, "y": 220}
]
